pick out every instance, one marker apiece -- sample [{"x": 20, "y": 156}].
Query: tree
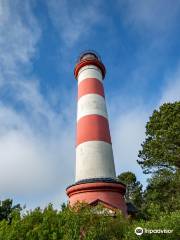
[
  {"x": 63, "y": 206},
  {"x": 160, "y": 156},
  {"x": 162, "y": 192},
  {"x": 133, "y": 188},
  {"x": 7, "y": 209},
  {"x": 161, "y": 148}
]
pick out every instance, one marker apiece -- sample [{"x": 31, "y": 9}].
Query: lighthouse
[{"x": 95, "y": 180}]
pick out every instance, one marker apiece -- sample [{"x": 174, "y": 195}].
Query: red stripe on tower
[
  {"x": 90, "y": 85},
  {"x": 97, "y": 129}
]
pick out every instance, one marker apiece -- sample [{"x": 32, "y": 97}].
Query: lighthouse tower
[{"x": 95, "y": 171}]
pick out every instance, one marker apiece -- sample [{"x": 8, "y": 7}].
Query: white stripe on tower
[
  {"x": 94, "y": 72},
  {"x": 94, "y": 156},
  {"x": 94, "y": 160},
  {"x": 91, "y": 104}
]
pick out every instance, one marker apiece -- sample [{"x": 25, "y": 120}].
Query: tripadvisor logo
[{"x": 139, "y": 231}]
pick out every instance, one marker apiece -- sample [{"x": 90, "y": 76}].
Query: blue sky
[{"x": 139, "y": 42}]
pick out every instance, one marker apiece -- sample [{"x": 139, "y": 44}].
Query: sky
[{"x": 40, "y": 41}]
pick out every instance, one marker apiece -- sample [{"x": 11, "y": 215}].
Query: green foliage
[
  {"x": 162, "y": 191},
  {"x": 170, "y": 221},
  {"x": 161, "y": 148},
  {"x": 133, "y": 188},
  {"x": 86, "y": 222},
  {"x": 83, "y": 223},
  {"x": 79, "y": 223}
]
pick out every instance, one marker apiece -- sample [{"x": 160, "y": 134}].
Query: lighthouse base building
[
  {"x": 109, "y": 194},
  {"x": 95, "y": 171}
]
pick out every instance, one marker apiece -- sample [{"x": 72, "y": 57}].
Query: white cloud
[
  {"x": 156, "y": 16},
  {"x": 36, "y": 146},
  {"x": 74, "y": 20},
  {"x": 19, "y": 33},
  {"x": 36, "y": 142},
  {"x": 33, "y": 158}
]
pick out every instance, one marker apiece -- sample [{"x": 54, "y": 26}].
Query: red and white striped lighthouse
[{"x": 95, "y": 171}]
